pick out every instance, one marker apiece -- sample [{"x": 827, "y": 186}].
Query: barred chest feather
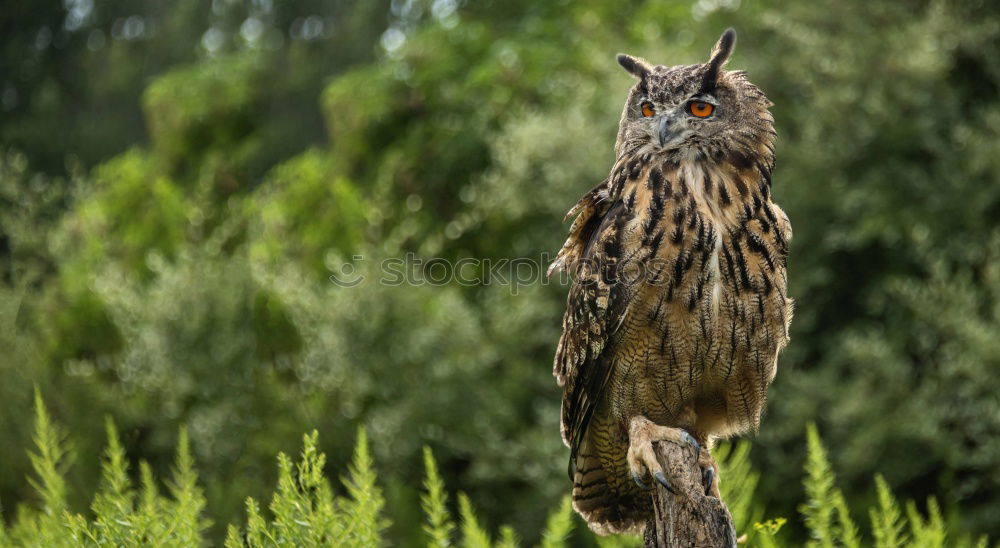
[{"x": 688, "y": 262}]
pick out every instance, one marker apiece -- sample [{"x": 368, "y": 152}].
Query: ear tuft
[
  {"x": 724, "y": 47},
  {"x": 635, "y": 65},
  {"x": 719, "y": 56}
]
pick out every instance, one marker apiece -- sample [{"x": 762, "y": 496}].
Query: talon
[
  {"x": 638, "y": 481},
  {"x": 693, "y": 442},
  {"x": 663, "y": 481},
  {"x": 708, "y": 476}
]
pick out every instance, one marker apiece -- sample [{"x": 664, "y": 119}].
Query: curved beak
[{"x": 665, "y": 132}]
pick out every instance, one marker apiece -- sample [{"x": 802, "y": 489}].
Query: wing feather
[{"x": 594, "y": 305}]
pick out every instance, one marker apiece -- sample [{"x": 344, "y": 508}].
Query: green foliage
[
  {"x": 177, "y": 185},
  {"x": 306, "y": 512},
  {"x": 894, "y": 233},
  {"x": 828, "y": 519},
  {"x": 205, "y": 108},
  {"x": 30, "y": 203},
  {"x": 434, "y": 500},
  {"x": 849, "y": 535},
  {"x": 189, "y": 500},
  {"x": 825, "y": 512},
  {"x": 303, "y": 505},
  {"x": 49, "y": 461},
  {"x": 104, "y": 228},
  {"x": 508, "y": 538},
  {"x": 887, "y": 520},
  {"x": 819, "y": 509},
  {"x": 559, "y": 525},
  {"x": 119, "y": 518},
  {"x": 129, "y": 183},
  {"x": 473, "y": 534},
  {"x": 305, "y": 213},
  {"x": 114, "y": 502},
  {"x": 738, "y": 483},
  {"x": 929, "y": 532},
  {"x": 619, "y": 541},
  {"x": 363, "y": 510},
  {"x": 764, "y": 532}
]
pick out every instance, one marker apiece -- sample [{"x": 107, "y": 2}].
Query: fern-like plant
[
  {"x": 439, "y": 527},
  {"x": 828, "y": 517},
  {"x": 305, "y": 511}
]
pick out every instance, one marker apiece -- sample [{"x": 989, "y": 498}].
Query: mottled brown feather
[{"x": 679, "y": 305}]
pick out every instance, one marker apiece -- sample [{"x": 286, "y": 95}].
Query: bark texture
[{"x": 688, "y": 517}]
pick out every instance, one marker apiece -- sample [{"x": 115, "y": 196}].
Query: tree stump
[{"x": 688, "y": 517}]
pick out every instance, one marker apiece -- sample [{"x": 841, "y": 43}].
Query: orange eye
[
  {"x": 647, "y": 109},
  {"x": 701, "y": 109}
]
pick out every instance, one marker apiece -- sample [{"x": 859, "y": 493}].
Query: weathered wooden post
[{"x": 687, "y": 517}]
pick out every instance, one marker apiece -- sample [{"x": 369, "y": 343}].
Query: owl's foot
[
  {"x": 709, "y": 476},
  {"x": 641, "y": 458}
]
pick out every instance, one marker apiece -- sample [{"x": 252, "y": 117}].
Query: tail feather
[{"x": 603, "y": 497}]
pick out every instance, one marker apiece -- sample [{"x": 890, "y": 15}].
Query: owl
[{"x": 679, "y": 303}]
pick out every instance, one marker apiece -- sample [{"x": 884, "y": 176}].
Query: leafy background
[{"x": 179, "y": 180}]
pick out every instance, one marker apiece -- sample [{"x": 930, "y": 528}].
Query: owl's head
[{"x": 702, "y": 112}]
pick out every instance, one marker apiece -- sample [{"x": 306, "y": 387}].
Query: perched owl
[{"x": 679, "y": 305}]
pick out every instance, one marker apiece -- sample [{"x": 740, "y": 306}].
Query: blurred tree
[
  {"x": 885, "y": 166},
  {"x": 176, "y": 186}
]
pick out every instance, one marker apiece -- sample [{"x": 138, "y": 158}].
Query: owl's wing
[{"x": 594, "y": 307}]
